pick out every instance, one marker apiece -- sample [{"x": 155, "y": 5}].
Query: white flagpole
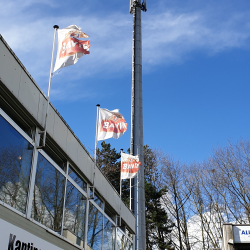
[
  {"x": 121, "y": 177},
  {"x": 56, "y": 27},
  {"x": 96, "y": 140},
  {"x": 121, "y": 191},
  {"x": 137, "y": 211}
]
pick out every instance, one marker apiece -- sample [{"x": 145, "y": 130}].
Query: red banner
[
  {"x": 71, "y": 46},
  {"x": 130, "y": 166},
  {"x": 118, "y": 126}
]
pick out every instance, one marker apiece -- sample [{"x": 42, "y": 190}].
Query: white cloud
[
  {"x": 11, "y": 8},
  {"x": 169, "y": 36}
]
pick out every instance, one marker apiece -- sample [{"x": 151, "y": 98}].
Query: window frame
[
  {"x": 32, "y": 142},
  {"x": 67, "y": 178},
  {"x": 16, "y": 127}
]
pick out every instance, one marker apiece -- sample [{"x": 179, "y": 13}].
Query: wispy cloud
[
  {"x": 11, "y": 8},
  {"x": 69, "y": 92},
  {"x": 169, "y": 36}
]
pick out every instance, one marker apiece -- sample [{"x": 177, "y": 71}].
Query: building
[
  {"x": 236, "y": 236},
  {"x": 46, "y": 193}
]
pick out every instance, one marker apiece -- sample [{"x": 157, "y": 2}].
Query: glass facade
[
  {"x": 95, "y": 228},
  {"x": 48, "y": 195},
  {"x": 108, "y": 235},
  {"x": 74, "y": 214},
  {"x": 15, "y": 164},
  {"x": 77, "y": 179},
  {"x": 122, "y": 241},
  {"x": 58, "y": 199}
]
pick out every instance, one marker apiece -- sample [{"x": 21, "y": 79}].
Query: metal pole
[
  {"x": 136, "y": 148},
  {"x": 130, "y": 193},
  {"x": 56, "y": 27},
  {"x": 121, "y": 178},
  {"x": 96, "y": 140},
  {"x": 86, "y": 219},
  {"x": 121, "y": 193}
]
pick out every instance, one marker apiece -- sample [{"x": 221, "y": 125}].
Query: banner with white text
[
  {"x": 111, "y": 124},
  {"x": 129, "y": 166},
  {"x": 70, "y": 48}
]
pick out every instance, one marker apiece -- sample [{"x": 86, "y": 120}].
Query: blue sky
[{"x": 196, "y": 68}]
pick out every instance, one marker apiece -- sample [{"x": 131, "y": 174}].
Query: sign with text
[
  {"x": 129, "y": 166},
  {"x": 15, "y": 238},
  {"x": 241, "y": 234}
]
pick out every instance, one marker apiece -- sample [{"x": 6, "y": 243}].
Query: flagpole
[
  {"x": 130, "y": 193},
  {"x": 56, "y": 27},
  {"x": 121, "y": 178},
  {"x": 121, "y": 191},
  {"x": 96, "y": 140}
]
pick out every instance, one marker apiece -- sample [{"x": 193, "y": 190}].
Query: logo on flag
[
  {"x": 110, "y": 124},
  {"x": 129, "y": 166},
  {"x": 70, "y": 47}
]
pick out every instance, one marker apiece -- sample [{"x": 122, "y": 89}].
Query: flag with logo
[
  {"x": 129, "y": 166},
  {"x": 111, "y": 124},
  {"x": 70, "y": 46}
]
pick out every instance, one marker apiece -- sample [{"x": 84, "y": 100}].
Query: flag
[
  {"x": 129, "y": 166},
  {"x": 70, "y": 48},
  {"x": 110, "y": 124}
]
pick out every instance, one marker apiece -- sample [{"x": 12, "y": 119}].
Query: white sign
[
  {"x": 241, "y": 234},
  {"x": 15, "y": 238}
]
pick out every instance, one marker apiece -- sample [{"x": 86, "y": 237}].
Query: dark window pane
[
  {"x": 108, "y": 235},
  {"x": 54, "y": 156},
  {"x": 48, "y": 195},
  {"x": 74, "y": 215},
  {"x": 15, "y": 163},
  {"x": 95, "y": 228},
  {"x": 77, "y": 179}
]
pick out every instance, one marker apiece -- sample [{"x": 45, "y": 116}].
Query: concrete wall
[{"x": 227, "y": 240}]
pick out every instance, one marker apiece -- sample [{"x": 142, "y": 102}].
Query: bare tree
[{"x": 175, "y": 200}]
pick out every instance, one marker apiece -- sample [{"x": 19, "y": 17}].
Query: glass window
[
  {"x": 108, "y": 235},
  {"x": 77, "y": 179},
  {"x": 129, "y": 234},
  {"x": 15, "y": 163},
  {"x": 97, "y": 199},
  {"x": 55, "y": 156},
  {"x": 95, "y": 228},
  {"x": 122, "y": 242},
  {"x": 119, "y": 240},
  {"x": 129, "y": 245},
  {"x": 74, "y": 215},
  {"x": 48, "y": 195}
]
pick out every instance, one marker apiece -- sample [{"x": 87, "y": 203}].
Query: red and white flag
[
  {"x": 111, "y": 124},
  {"x": 70, "y": 47},
  {"x": 129, "y": 166}
]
